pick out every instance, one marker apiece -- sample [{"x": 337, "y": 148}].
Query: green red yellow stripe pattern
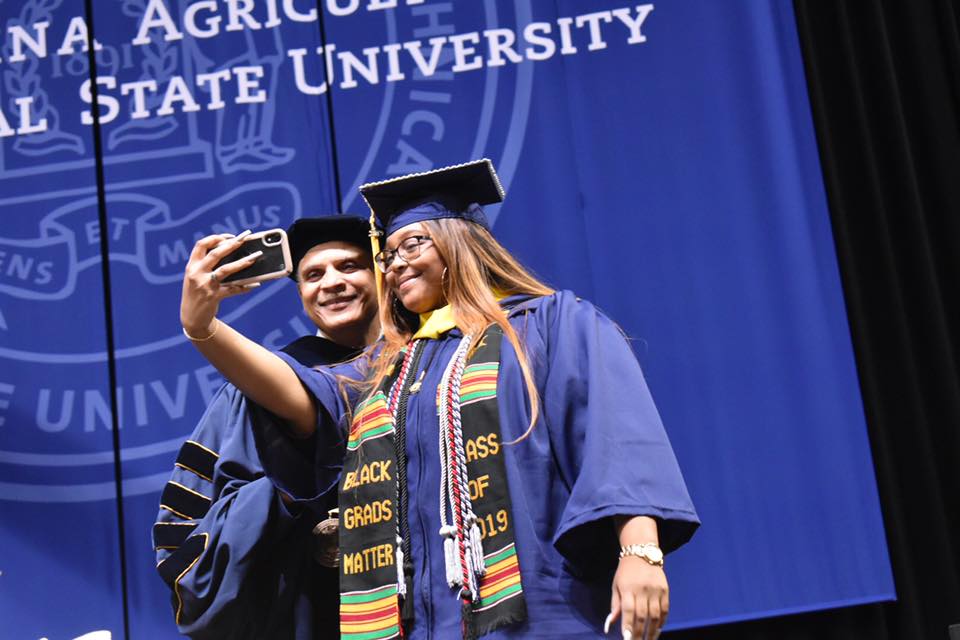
[
  {"x": 371, "y": 420},
  {"x": 370, "y": 615},
  {"x": 479, "y": 382},
  {"x": 502, "y": 579}
]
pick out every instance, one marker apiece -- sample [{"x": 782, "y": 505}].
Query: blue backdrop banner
[{"x": 659, "y": 160}]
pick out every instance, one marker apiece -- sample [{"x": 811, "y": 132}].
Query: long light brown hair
[{"x": 477, "y": 265}]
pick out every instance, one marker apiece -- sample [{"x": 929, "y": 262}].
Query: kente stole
[{"x": 478, "y": 539}]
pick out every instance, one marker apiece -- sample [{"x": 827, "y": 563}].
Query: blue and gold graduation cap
[
  {"x": 457, "y": 191},
  {"x": 306, "y": 233}
]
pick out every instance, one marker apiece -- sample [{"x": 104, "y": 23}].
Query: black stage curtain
[{"x": 884, "y": 83}]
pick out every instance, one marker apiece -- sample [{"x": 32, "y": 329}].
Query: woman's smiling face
[{"x": 419, "y": 282}]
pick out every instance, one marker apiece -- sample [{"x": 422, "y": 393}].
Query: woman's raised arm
[{"x": 259, "y": 374}]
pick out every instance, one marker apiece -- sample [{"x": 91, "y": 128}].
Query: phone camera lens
[{"x": 273, "y": 238}]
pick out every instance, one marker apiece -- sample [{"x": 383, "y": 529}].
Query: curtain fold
[{"x": 884, "y": 84}]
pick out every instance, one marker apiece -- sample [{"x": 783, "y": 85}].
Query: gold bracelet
[{"x": 212, "y": 333}]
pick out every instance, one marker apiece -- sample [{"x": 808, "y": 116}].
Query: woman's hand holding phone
[{"x": 203, "y": 286}]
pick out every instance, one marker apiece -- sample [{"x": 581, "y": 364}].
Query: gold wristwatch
[{"x": 648, "y": 551}]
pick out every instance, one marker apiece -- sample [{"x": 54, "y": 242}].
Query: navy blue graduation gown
[
  {"x": 598, "y": 450},
  {"x": 239, "y": 562}
]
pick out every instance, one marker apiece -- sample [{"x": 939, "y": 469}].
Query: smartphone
[{"x": 274, "y": 263}]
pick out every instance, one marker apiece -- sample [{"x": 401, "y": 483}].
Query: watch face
[{"x": 654, "y": 554}]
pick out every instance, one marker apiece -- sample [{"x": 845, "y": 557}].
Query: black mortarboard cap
[{"x": 306, "y": 233}]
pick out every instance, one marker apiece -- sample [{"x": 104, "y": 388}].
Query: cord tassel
[
  {"x": 473, "y": 575},
  {"x": 450, "y": 563},
  {"x": 401, "y": 580},
  {"x": 476, "y": 547}
]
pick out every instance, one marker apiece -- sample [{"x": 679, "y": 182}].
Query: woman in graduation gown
[{"x": 503, "y": 471}]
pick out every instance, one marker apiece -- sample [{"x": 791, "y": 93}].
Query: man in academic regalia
[{"x": 241, "y": 560}]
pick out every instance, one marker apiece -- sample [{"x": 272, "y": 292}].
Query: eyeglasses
[{"x": 407, "y": 250}]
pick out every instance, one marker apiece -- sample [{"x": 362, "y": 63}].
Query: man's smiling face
[{"x": 339, "y": 291}]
